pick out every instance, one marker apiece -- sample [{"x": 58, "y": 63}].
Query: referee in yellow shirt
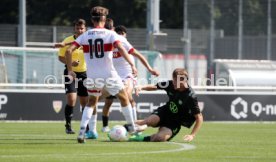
[{"x": 73, "y": 90}]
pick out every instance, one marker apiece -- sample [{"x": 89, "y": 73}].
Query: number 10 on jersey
[{"x": 96, "y": 48}]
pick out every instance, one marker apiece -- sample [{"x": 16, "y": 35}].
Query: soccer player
[
  {"x": 124, "y": 71},
  {"x": 181, "y": 109},
  {"x": 98, "y": 44},
  {"x": 72, "y": 89}
]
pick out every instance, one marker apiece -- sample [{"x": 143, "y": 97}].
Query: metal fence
[
  {"x": 242, "y": 29},
  {"x": 226, "y": 47},
  {"x": 41, "y": 66}
]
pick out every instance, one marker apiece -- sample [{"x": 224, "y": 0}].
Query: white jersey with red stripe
[
  {"x": 121, "y": 65},
  {"x": 98, "y": 45}
]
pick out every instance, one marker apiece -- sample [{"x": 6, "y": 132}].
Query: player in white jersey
[
  {"x": 124, "y": 71},
  {"x": 98, "y": 44}
]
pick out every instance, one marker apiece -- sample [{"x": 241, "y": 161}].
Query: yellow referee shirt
[{"x": 77, "y": 55}]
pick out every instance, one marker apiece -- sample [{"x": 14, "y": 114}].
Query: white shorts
[
  {"x": 130, "y": 80},
  {"x": 111, "y": 85},
  {"x": 127, "y": 76}
]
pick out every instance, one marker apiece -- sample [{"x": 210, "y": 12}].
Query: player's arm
[
  {"x": 62, "y": 50},
  {"x": 145, "y": 88},
  {"x": 124, "y": 53},
  {"x": 144, "y": 62},
  {"x": 68, "y": 56},
  {"x": 62, "y": 57},
  {"x": 197, "y": 126},
  {"x": 63, "y": 60},
  {"x": 62, "y": 44}
]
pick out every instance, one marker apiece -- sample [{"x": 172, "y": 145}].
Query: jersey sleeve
[
  {"x": 80, "y": 40},
  {"x": 62, "y": 50},
  {"x": 194, "y": 105},
  {"x": 128, "y": 46},
  {"x": 189, "y": 120},
  {"x": 114, "y": 38}
]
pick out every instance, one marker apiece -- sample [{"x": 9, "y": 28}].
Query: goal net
[{"x": 29, "y": 65}]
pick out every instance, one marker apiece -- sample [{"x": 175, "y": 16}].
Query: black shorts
[
  {"x": 111, "y": 97},
  {"x": 79, "y": 88},
  {"x": 167, "y": 121}
]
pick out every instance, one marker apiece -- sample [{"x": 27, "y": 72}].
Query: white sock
[
  {"x": 127, "y": 112},
  {"x": 93, "y": 123},
  {"x": 134, "y": 113},
  {"x": 86, "y": 115}
]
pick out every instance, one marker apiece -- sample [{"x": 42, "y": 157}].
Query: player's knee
[
  {"x": 91, "y": 104},
  {"x": 71, "y": 103},
  {"x": 124, "y": 100},
  {"x": 133, "y": 103},
  {"x": 122, "y": 96}
]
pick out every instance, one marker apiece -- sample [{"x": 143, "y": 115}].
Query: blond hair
[{"x": 180, "y": 72}]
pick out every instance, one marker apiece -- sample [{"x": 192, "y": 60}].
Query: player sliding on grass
[{"x": 181, "y": 109}]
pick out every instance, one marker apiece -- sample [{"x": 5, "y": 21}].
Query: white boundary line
[{"x": 183, "y": 147}]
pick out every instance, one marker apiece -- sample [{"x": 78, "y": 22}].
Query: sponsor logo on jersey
[{"x": 173, "y": 107}]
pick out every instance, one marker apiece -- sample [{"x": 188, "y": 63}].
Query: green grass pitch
[{"x": 222, "y": 142}]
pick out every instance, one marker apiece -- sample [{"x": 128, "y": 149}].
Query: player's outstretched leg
[
  {"x": 105, "y": 113},
  {"x": 92, "y": 133},
  {"x": 87, "y": 112},
  {"x": 126, "y": 110}
]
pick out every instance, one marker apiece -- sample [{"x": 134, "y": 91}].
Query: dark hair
[
  {"x": 79, "y": 22},
  {"x": 98, "y": 13},
  {"x": 180, "y": 72},
  {"x": 109, "y": 23},
  {"x": 120, "y": 29}
]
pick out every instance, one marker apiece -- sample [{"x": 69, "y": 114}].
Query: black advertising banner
[
  {"x": 32, "y": 106},
  {"x": 215, "y": 106},
  {"x": 243, "y": 107}
]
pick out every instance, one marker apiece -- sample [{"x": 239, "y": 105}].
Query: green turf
[{"x": 229, "y": 142}]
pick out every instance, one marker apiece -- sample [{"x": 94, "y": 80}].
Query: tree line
[{"x": 132, "y": 13}]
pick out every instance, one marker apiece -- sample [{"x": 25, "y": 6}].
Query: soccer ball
[{"x": 118, "y": 133}]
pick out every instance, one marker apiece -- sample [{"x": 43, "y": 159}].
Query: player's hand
[
  {"x": 75, "y": 63},
  {"x": 154, "y": 72},
  {"x": 188, "y": 138},
  {"x": 71, "y": 74},
  {"x": 137, "y": 90},
  {"x": 134, "y": 71},
  {"x": 59, "y": 45}
]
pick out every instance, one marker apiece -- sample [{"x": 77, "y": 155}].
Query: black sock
[
  {"x": 68, "y": 111},
  {"x": 146, "y": 138},
  {"x": 105, "y": 121}
]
